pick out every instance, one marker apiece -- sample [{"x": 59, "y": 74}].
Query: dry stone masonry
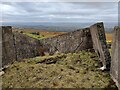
[{"x": 115, "y": 62}]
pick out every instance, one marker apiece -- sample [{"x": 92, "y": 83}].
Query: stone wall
[
  {"x": 99, "y": 43},
  {"x": 69, "y": 42},
  {"x": 115, "y": 62}
]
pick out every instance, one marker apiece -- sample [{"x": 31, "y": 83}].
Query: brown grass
[
  {"x": 109, "y": 36},
  {"x": 55, "y": 33},
  {"x": 45, "y": 33}
]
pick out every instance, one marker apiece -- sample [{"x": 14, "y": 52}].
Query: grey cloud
[{"x": 70, "y": 12}]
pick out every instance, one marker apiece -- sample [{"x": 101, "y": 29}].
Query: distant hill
[
  {"x": 50, "y": 28},
  {"x": 64, "y": 27},
  {"x": 57, "y": 28}
]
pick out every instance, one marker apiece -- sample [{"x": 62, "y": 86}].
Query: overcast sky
[{"x": 83, "y": 12}]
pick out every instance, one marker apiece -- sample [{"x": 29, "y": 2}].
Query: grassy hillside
[
  {"x": 42, "y": 33},
  {"x": 72, "y": 70}
]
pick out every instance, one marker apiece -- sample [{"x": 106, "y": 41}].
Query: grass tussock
[{"x": 72, "y": 70}]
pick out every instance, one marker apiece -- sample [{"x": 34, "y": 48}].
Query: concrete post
[
  {"x": 115, "y": 61},
  {"x": 8, "y": 49},
  {"x": 100, "y": 45}
]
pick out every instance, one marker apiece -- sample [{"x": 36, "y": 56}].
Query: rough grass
[
  {"x": 72, "y": 70},
  {"x": 109, "y": 40},
  {"x": 34, "y": 36},
  {"x": 43, "y": 33},
  {"x": 109, "y": 37}
]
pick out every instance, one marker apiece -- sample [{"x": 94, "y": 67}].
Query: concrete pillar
[
  {"x": 115, "y": 61},
  {"x": 100, "y": 45},
  {"x": 0, "y": 47},
  {"x": 8, "y": 49},
  {"x": 0, "y": 56}
]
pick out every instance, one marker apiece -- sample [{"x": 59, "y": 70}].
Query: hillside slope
[{"x": 72, "y": 70}]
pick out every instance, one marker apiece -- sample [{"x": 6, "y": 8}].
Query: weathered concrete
[
  {"x": 69, "y": 42},
  {"x": 8, "y": 49},
  {"x": 0, "y": 56},
  {"x": 82, "y": 39},
  {"x": 27, "y": 47},
  {"x": 115, "y": 62},
  {"x": 99, "y": 44},
  {"x": 0, "y": 47},
  {"x": 17, "y": 46}
]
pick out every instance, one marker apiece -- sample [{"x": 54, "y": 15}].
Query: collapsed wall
[
  {"x": 99, "y": 44},
  {"x": 69, "y": 42},
  {"x": 115, "y": 61}
]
